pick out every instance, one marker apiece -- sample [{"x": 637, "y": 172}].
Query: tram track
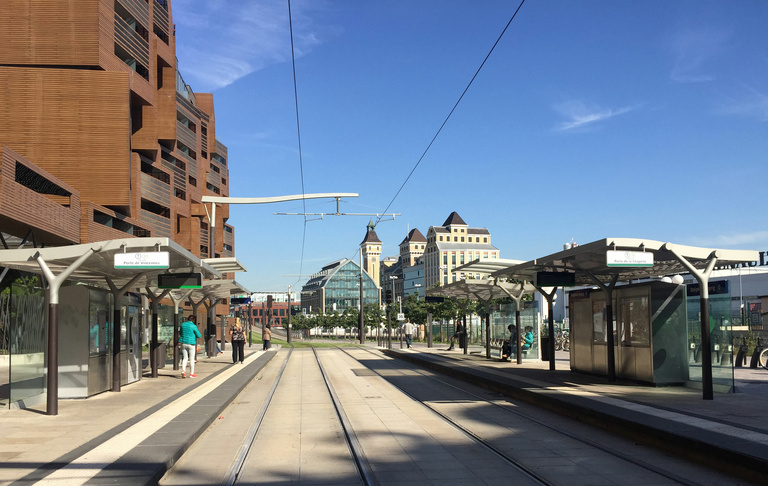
[
  {"x": 356, "y": 453},
  {"x": 507, "y": 407},
  {"x": 356, "y": 416}
]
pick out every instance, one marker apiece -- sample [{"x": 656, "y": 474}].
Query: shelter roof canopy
[{"x": 590, "y": 259}]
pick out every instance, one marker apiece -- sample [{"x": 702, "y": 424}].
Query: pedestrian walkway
[
  {"x": 130, "y": 437},
  {"x": 729, "y": 432}
]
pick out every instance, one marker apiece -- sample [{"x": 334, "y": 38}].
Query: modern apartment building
[
  {"x": 101, "y": 138},
  {"x": 453, "y": 244}
]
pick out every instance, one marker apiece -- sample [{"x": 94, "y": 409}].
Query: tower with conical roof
[{"x": 371, "y": 246}]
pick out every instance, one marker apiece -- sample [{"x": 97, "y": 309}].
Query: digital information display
[{"x": 180, "y": 280}]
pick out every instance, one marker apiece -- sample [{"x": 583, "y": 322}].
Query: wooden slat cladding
[
  {"x": 160, "y": 17},
  {"x": 128, "y": 39},
  {"x": 139, "y": 9},
  {"x": 108, "y": 61},
  {"x": 186, "y": 136},
  {"x": 29, "y": 203},
  {"x": 155, "y": 190},
  {"x": 79, "y": 131},
  {"x": 93, "y": 230},
  {"x": 61, "y": 33}
]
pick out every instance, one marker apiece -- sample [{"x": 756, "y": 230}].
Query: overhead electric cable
[
  {"x": 298, "y": 131},
  {"x": 449, "y": 114}
]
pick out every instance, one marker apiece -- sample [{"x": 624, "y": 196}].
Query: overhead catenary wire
[
  {"x": 451, "y": 113},
  {"x": 298, "y": 133}
]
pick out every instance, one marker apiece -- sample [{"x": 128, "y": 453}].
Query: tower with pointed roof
[
  {"x": 412, "y": 247},
  {"x": 371, "y": 246}
]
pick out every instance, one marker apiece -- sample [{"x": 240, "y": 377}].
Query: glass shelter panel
[
  {"x": 504, "y": 317},
  {"x": 721, "y": 334},
  {"x": 23, "y": 328},
  {"x": 599, "y": 323},
  {"x": 634, "y": 321}
]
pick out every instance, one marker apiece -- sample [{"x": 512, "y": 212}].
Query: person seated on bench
[
  {"x": 456, "y": 335},
  {"x": 527, "y": 338}
]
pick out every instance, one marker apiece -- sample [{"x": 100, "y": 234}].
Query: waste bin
[{"x": 545, "y": 349}]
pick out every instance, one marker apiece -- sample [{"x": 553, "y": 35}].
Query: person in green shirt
[{"x": 188, "y": 336}]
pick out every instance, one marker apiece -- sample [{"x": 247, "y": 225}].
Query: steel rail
[
  {"x": 363, "y": 466},
  {"x": 584, "y": 440},
  {"x": 245, "y": 450}
]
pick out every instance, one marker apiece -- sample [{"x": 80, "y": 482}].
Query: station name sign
[
  {"x": 155, "y": 259},
  {"x": 180, "y": 281},
  {"x": 618, "y": 258}
]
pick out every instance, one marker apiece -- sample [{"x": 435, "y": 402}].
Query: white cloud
[
  {"x": 219, "y": 42},
  {"x": 753, "y": 104},
  {"x": 581, "y": 117},
  {"x": 693, "y": 49}
]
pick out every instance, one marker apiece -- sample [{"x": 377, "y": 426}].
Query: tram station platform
[
  {"x": 133, "y": 436},
  {"x": 729, "y": 433},
  {"x": 128, "y": 437}
]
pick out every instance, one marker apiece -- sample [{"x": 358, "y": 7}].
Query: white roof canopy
[
  {"x": 100, "y": 264},
  {"x": 590, "y": 258}
]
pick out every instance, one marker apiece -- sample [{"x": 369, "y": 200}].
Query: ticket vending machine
[{"x": 130, "y": 339}]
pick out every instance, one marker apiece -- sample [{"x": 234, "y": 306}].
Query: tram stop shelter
[
  {"x": 485, "y": 291},
  {"x": 69, "y": 272},
  {"x": 608, "y": 262}
]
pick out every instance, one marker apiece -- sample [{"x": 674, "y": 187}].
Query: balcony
[
  {"x": 161, "y": 226},
  {"x": 131, "y": 42},
  {"x": 138, "y": 9},
  {"x": 155, "y": 190},
  {"x": 30, "y": 198},
  {"x": 161, "y": 19},
  {"x": 185, "y": 135}
]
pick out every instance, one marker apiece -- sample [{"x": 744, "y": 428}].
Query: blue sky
[{"x": 590, "y": 119}]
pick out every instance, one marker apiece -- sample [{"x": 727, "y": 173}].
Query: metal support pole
[
  {"x": 288, "y": 331},
  {"x": 52, "y": 398},
  {"x": 488, "y": 330},
  {"x": 550, "y": 314},
  {"x": 250, "y": 324},
  {"x": 518, "y": 344},
  {"x": 609, "y": 337},
  {"x": 707, "y": 387},
  {"x": 389, "y": 327},
  {"x": 174, "y": 344},
  {"x": 361, "y": 323},
  {"x": 429, "y": 330},
  {"x": 466, "y": 334}
]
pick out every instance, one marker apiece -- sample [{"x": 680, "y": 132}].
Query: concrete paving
[
  {"x": 130, "y": 437},
  {"x": 134, "y": 436}
]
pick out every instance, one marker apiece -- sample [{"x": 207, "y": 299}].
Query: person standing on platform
[
  {"x": 188, "y": 336},
  {"x": 237, "y": 338},
  {"x": 408, "y": 329},
  {"x": 456, "y": 336},
  {"x": 266, "y": 335}
]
